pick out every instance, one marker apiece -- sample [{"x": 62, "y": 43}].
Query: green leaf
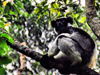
[
  {"x": 4, "y": 60},
  {"x": 52, "y": 4},
  {"x": 36, "y": 10},
  {"x": 16, "y": 8},
  {"x": 4, "y": 35},
  {"x": 43, "y": 3},
  {"x": 3, "y": 46},
  {"x": 20, "y": 5},
  {"x": 83, "y": 19},
  {"x": 1, "y": 9},
  {"x": 3, "y": 19},
  {"x": 2, "y": 71},
  {"x": 7, "y": 8},
  {"x": 2, "y": 51},
  {"x": 56, "y": 5},
  {"x": 26, "y": 14},
  {"x": 58, "y": 14},
  {"x": 7, "y": 16},
  {"x": 65, "y": 1},
  {"x": 70, "y": 1},
  {"x": 76, "y": 15},
  {"x": 2, "y": 24},
  {"x": 25, "y": 0},
  {"x": 79, "y": 11},
  {"x": 11, "y": 12},
  {"x": 46, "y": 7}
]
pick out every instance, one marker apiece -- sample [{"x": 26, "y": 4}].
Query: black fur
[
  {"x": 81, "y": 41},
  {"x": 61, "y": 23}
]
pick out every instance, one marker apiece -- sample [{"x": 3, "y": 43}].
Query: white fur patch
[{"x": 69, "y": 24}]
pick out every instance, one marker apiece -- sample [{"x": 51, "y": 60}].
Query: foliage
[{"x": 29, "y": 21}]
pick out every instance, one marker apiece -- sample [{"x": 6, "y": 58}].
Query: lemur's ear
[
  {"x": 53, "y": 24},
  {"x": 69, "y": 20}
]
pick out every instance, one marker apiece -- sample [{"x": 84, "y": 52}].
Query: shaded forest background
[{"x": 29, "y": 22}]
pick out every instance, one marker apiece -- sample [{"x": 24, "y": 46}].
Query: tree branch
[
  {"x": 50, "y": 63},
  {"x": 25, "y": 50}
]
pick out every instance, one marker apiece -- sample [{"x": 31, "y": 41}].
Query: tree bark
[{"x": 92, "y": 18}]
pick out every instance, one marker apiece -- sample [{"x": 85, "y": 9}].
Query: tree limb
[
  {"x": 50, "y": 63},
  {"x": 25, "y": 50}
]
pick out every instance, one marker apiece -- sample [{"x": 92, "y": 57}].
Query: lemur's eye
[
  {"x": 57, "y": 23},
  {"x": 63, "y": 21}
]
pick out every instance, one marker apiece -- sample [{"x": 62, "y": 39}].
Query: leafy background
[{"x": 30, "y": 21}]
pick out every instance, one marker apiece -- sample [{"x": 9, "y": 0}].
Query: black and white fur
[{"x": 73, "y": 46}]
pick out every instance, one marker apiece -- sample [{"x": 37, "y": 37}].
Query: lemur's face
[{"x": 59, "y": 23}]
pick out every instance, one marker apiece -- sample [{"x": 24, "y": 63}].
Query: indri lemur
[{"x": 72, "y": 44}]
